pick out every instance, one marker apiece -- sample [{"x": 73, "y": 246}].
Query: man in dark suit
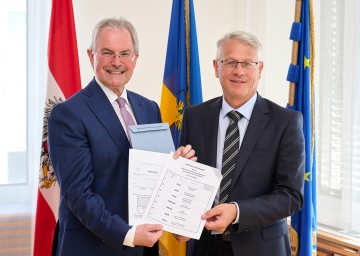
[
  {"x": 264, "y": 184},
  {"x": 89, "y": 149}
]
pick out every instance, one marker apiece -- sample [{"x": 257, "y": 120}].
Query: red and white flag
[{"x": 63, "y": 81}]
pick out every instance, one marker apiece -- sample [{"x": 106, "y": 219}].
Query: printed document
[
  {"x": 144, "y": 171},
  {"x": 185, "y": 190}
]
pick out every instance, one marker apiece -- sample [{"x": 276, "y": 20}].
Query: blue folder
[{"x": 152, "y": 137}]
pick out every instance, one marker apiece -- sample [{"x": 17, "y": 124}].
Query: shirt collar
[
  {"x": 245, "y": 110},
  {"x": 110, "y": 94}
]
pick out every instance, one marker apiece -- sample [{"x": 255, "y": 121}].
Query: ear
[
  {"x": 216, "y": 68},
  {"x": 91, "y": 57},
  {"x": 135, "y": 58},
  {"x": 261, "y": 66}
]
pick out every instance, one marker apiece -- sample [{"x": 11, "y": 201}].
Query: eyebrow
[{"x": 109, "y": 50}]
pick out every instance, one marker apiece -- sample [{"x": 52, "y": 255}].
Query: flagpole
[{"x": 295, "y": 50}]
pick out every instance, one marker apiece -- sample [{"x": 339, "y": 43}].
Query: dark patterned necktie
[{"x": 231, "y": 150}]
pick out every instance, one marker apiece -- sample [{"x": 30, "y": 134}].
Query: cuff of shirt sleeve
[
  {"x": 236, "y": 221},
  {"x": 129, "y": 238}
]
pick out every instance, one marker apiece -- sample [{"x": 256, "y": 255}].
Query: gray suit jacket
[{"x": 268, "y": 178}]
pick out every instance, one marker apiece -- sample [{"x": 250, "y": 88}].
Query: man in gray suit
[{"x": 265, "y": 170}]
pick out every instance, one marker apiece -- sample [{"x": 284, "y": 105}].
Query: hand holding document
[{"x": 176, "y": 192}]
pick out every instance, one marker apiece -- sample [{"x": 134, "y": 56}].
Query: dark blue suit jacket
[
  {"x": 89, "y": 151},
  {"x": 268, "y": 178}
]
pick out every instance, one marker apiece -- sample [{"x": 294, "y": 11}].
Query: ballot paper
[
  {"x": 145, "y": 168},
  {"x": 184, "y": 191},
  {"x": 174, "y": 193}
]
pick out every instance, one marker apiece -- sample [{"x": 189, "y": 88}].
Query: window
[
  {"x": 24, "y": 28},
  {"x": 13, "y": 92},
  {"x": 338, "y": 128},
  {"x": 14, "y": 174}
]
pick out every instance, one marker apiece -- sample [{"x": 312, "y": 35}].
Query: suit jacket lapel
[
  {"x": 211, "y": 126},
  {"x": 138, "y": 108},
  {"x": 104, "y": 111},
  {"x": 259, "y": 118}
]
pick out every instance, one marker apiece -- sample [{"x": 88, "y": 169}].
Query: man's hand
[
  {"x": 220, "y": 217},
  {"x": 147, "y": 234},
  {"x": 186, "y": 152}
]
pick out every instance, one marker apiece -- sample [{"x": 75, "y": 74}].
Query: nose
[
  {"x": 238, "y": 69},
  {"x": 116, "y": 60}
]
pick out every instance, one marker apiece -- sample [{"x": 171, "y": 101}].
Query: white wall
[{"x": 270, "y": 20}]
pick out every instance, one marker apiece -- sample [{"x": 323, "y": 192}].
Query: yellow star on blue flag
[{"x": 306, "y": 62}]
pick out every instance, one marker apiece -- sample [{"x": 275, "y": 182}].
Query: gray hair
[
  {"x": 115, "y": 23},
  {"x": 242, "y": 37}
]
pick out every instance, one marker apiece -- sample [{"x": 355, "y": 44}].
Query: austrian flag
[{"x": 63, "y": 81}]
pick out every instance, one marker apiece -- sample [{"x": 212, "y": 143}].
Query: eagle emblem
[{"x": 47, "y": 175}]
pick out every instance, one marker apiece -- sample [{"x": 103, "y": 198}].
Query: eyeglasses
[
  {"x": 125, "y": 56},
  {"x": 232, "y": 64}
]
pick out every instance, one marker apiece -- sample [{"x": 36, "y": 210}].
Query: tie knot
[
  {"x": 121, "y": 102},
  {"x": 234, "y": 115}
]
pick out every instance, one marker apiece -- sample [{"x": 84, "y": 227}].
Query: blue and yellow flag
[
  {"x": 303, "y": 223},
  {"x": 182, "y": 82},
  {"x": 181, "y": 87}
]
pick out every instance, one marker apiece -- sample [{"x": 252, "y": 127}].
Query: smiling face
[
  {"x": 238, "y": 84},
  {"x": 113, "y": 71}
]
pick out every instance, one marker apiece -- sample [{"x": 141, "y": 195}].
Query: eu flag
[
  {"x": 182, "y": 82},
  {"x": 303, "y": 223}
]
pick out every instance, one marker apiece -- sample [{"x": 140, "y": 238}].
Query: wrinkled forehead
[{"x": 115, "y": 39}]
